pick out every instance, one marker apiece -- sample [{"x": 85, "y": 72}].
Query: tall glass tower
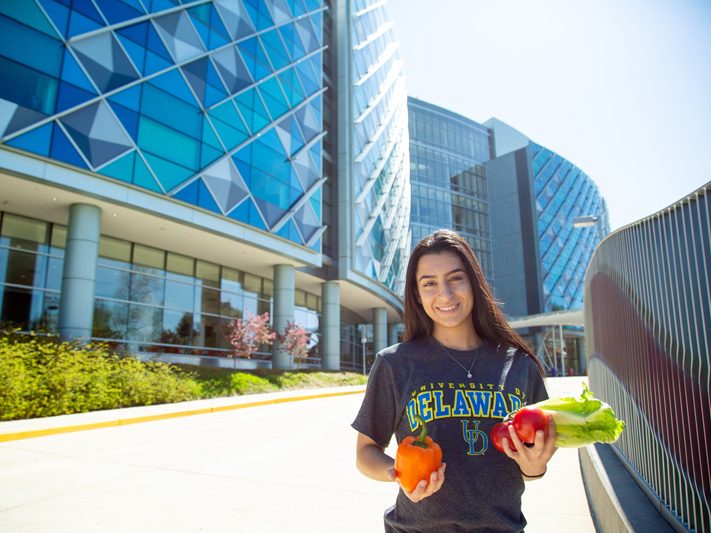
[{"x": 448, "y": 179}]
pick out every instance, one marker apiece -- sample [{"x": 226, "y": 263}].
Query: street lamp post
[
  {"x": 363, "y": 341},
  {"x": 586, "y": 221}
]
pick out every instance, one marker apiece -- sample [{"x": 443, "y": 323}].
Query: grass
[{"x": 218, "y": 382}]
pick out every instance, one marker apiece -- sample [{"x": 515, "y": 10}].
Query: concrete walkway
[{"x": 262, "y": 463}]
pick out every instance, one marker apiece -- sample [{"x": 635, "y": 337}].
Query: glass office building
[
  {"x": 166, "y": 167},
  {"x": 540, "y": 257},
  {"x": 448, "y": 179}
]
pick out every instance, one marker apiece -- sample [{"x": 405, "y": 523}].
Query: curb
[
  {"x": 171, "y": 411},
  {"x": 616, "y": 501}
]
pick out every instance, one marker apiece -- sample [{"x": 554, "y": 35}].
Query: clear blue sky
[{"x": 621, "y": 88}]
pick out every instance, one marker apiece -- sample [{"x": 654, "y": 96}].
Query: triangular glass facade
[{"x": 214, "y": 104}]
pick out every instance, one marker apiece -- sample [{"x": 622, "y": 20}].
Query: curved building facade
[
  {"x": 373, "y": 144},
  {"x": 163, "y": 171},
  {"x": 540, "y": 253}
]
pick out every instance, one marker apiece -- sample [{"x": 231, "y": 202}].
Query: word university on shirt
[{"x": 436, "y": 401}]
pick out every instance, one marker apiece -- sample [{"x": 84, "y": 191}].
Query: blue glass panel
[
  {"x": 255, "y": 58},
  {"x": 169, "y": 174},
  {"x": 292, "y": 86},
  {"x": 29, "y": 14},
  {"x": 72, "y": 73},
  {"x": 317, "y": 21},
  {"x": 229, "y": 125},
  {"x": 316, "y": 246},
  {"x": 273, "y": 98},
  {"x": 259, "y": 13},
  {"x": 173, "y": 84},
  {"x": 121, "y": 168},
  {"x": 315, "y": 201},
  {"x": 313, "y": 4},
  {"x": 170, "y": 145},
  {"x": 189, "y": 193},
  {"x": 154, "y": 6},
  {"x": 70, "y": 96},
  {"x": 297, "y": 7},
  {"x": 247, "y": 212},
  {"x": 81, "y": 18},
  {"x": 275, "y": 49},
  {"x": 120, "y": 10},
  {"x": 105, "y": 61},
  {"x": 289, "y": 231},
  {"x": 252, "y": 110},
  {"x": 31, "y": 89},
  {"x": 143, "y": 177},
  {"x": 129, "y": 98},
  {"x": 209, "y": 26},
  {"x": 205, "y": 199},
  {"x": 293, "y": 43},
  {"x": 232, "y": 68},
  {"x": 29, "y": 47},
  {"x": 36, "y": 141},
  {"x": 63, "y": 150},
  {"x": 171, "y": 111},
  {"x": 306, "y": 76},
  {"x": 128, "y": 118},
  {"x": 203, "y": 78},
  {"x": 58, "y": 13},
  {"x": 145, "y": 47}
]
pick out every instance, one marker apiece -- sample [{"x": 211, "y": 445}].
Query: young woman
[{"x": 461, "y": 369}]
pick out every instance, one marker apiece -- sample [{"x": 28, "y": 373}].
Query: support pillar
[
  {"x": 330, "y": 326},
  {"x": 283, "y": 313},
  {"x": 393, "y": 330},
  {"x": 76, "y": 303},
  {"x": 380, "y": 329}
]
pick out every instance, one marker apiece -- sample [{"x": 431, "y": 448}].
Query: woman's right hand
[{"x": 424, "y": 489}]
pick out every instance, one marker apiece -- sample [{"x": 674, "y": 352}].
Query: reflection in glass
[
  {"x": 177, "y": 328},
  {"x": 147, "y": 289},
  {"x": 110, "y": 319},
  {"x": 112, "y": 283},
  {"x": 179, "y": 296},
  {"x": 144, "y": 323}
]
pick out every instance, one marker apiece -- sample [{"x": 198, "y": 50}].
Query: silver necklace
[{"x": 469, "y": 372}]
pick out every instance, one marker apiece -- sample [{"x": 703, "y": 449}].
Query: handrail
[{"x": 648, "y": 336}]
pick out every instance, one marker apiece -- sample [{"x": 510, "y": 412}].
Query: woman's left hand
[{"x": 532, "y": 461}]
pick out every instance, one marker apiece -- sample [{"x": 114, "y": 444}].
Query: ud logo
[{"x": 477, "y": 439}]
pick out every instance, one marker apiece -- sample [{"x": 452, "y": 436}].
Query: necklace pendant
[{"x": 469, "y": 375}]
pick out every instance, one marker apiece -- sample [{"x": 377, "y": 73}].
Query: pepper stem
[{"x": 421, "y": 439}]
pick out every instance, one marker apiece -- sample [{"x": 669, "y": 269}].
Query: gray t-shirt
[{"x": 482, "y": 488}]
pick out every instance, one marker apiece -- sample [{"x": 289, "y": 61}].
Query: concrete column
[
  {"x": 582, "y": 359},
  {"x": 330, "y": 326},
  {"x": 380, "y": 329},
  {"x": 76, "y": 303},
  {"x": 283, "y": 312},
  {"x": 393, "y": 330}
]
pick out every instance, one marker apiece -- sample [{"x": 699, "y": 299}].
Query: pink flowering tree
[
  {"x": 248, "y": 335},
  {"x": 294, "y": 340}
]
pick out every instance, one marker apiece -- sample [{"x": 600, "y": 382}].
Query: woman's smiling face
[{"x": 445, "y": 291}]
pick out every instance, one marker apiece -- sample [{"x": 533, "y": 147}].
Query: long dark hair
[{"x": 489, "y": 322}]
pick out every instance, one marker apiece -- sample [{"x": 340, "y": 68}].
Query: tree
[
  {"x": 248, "y": 335},
  {"x": 295, "y": 340}
]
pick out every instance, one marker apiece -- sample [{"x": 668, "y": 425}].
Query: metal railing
[{"x": 648, "y": 335}]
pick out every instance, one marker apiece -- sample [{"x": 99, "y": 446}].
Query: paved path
[{"x": 279, "y": 467}]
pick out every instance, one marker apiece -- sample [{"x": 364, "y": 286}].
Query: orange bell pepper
[{"x": 417, "y": 458}]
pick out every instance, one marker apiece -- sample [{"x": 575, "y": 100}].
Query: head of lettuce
[{"x": 582, "y": 421}]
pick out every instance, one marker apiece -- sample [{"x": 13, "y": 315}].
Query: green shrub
[
  {"x": 242, "y": 383},
  {"x": 42, "y": 377}
]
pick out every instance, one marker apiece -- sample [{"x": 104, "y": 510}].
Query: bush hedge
[{"x": 42, "y": 377}]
